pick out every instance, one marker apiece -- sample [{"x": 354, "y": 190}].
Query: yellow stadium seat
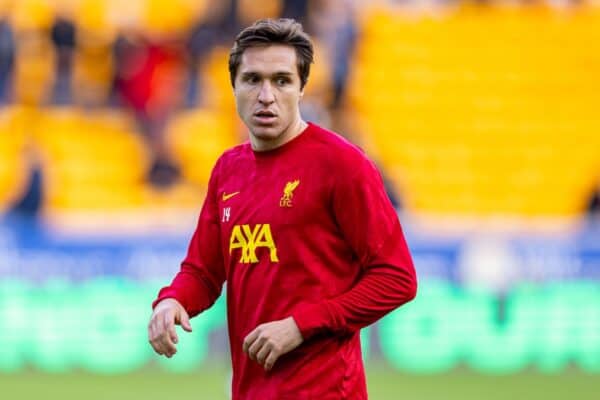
[
  {"x": 319, "y": 81},
  {"x": 14, "y": 161},
  {"x": 92, "y": 161},
  {"x": 168, "y": 17},
  {"x": 13, "y": 177},
  {"x": 92, "y": 73},
  {"x": 94, "y": 21},
  {"x": 34, "y": 69},
  {"x": 218, "y": 92},
  {"x": 466, "y": 123},
  {"x": 197, "y": 138},
  {"x": 28, "y": 15}
]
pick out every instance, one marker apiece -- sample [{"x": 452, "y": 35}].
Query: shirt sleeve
[
  {"x": 370, "y": 225},
  {"x": 199, "y": 282}
]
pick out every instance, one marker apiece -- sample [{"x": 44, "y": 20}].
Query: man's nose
[{"x": 265, "y": 96}]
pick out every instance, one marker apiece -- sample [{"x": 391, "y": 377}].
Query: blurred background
[{"x": 483, "y": 117}]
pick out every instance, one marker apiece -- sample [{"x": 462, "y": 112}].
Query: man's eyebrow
[{"x": 277, "y": 73}]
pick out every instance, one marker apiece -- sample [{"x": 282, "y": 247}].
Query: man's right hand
[{"x": 161, "y": 329}]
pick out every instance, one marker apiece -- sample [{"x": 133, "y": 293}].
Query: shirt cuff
[
  {"x": 168, "y": 293},
  {"x": 312, "y": 319}
]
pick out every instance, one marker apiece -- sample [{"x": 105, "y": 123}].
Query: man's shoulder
[
  {"x": 234, "y": 154},
  {"x": 338, "y": 148}
]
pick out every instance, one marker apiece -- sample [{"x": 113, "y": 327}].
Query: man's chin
[{"x": 266, "y": 133}]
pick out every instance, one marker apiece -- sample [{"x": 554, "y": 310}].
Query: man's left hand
[{"x": 267, "y": 342}]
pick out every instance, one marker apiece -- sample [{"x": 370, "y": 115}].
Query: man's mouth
[{"x": 265, "y": 116}]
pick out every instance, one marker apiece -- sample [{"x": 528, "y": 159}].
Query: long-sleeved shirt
[{"x": 305, "y": 230}]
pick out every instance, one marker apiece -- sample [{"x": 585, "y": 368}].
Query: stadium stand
[
  {"x": 480, "y": 124},
  {"x": 463, "y": 123}
]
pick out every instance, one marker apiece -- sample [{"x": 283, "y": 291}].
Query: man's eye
[
  {"x": 282, "y": 81},
  {"x": 252, "y": 79}
]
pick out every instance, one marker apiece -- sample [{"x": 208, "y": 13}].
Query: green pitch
[{"x": 384, "y": 384}]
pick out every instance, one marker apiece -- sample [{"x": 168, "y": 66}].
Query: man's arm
[
  {"x": 381, "y": 289},
  {"x": 199, "y": 282},
  {"x": 370, "y": 224}
]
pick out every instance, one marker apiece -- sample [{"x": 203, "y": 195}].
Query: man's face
[{"x": 267, "y": 94}]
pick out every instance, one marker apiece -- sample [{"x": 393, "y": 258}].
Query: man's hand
[
  {"x": 267, "y": 342},
  {"x": 161, "y": 329}
]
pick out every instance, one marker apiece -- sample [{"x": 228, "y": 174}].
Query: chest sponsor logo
[
  {"x": 288, "y": 193},
  {"x": 249, "y": 238}
]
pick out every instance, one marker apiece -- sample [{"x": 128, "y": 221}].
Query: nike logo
[{"x": 230, "y": 195}]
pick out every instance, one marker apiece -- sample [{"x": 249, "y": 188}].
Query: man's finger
[
  {"x": 169, "y": 322},
  {"x": 270, "y": 361},
  {"x": 157, "y": 349},
  {"x": 255, "y": 347},
  {"x": 150, "y": 331},
  {"x": 249, "y": 340},
  {"x": 158, "y": 341},
  {"x": 163, "y": 336},
  {"x": 158, "y": 346},
  {"x": 168, "y": 345},
  {"x": 185, "y": 321},
  {"x": 262, "y": 354},
  {"x": 152, "y": 338}
]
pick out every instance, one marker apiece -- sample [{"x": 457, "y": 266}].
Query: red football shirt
[{"x": 305, "y": 230}]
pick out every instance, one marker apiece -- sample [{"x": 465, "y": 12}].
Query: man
[{"x": 298, "y": 223}]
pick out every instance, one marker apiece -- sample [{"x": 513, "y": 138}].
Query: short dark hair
[{"x": 264, "y": 32}]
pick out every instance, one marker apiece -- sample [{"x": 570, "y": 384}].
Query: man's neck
[{"x": 291, "y": 132}]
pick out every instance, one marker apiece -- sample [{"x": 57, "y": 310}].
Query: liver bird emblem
[{"x": 288, "y": 193}]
